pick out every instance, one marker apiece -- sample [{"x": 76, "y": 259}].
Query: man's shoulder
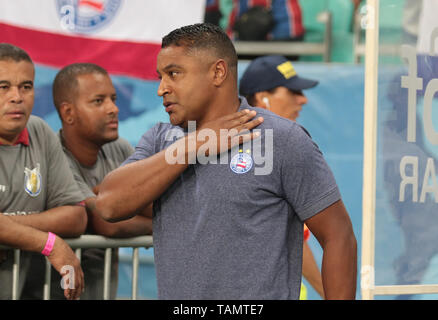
[
  {"x": 39, "y": 130},
  {"x": 163, "y": 127},
  {"x": 36, "y": 123},
  {"x": 161, "y": 132},
  {"x": 280, "y": 126},
  {"x": 270, "y": 119},
  {"x": 288, "y": 136}
]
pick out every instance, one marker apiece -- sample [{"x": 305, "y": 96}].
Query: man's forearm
[
  {"x": 65, "y": 221},
  {"x": 129, "y": 189},
  {"x": 135, "y": 226},
  {"x": 339, "y": 269},
  {"x": 20, "y": 236}
]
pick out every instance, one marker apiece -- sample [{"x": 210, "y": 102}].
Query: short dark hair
[
  {"x": 65, "y": 85},
  {"x": 204, "y": 36},
  {"x": 11, "y": 52}
]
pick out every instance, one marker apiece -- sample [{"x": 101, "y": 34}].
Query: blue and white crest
[
  {"x": 85, "y": 16},
  {"x": 241, "y": 163},
  {"x": 32, "y": 181}
]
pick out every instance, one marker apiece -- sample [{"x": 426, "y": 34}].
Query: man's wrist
[{"x": 50, "y": 243}]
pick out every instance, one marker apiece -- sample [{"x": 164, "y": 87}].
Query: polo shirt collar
[{"x": 23, "y": 138}]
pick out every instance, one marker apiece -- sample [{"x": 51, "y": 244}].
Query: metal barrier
[
  {"x": 86, "y": 242},
  {"x": 290, "y": 48}
]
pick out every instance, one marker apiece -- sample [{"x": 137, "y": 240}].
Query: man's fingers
[
  {"x": 67, "y": 294},
  {"x": 251, "y": 124},
  {"x": 79, "y": 283},
  {"x": 242, "y": 118},
  {"x": 82, "y": 284},
  {"x": 237, "y": 118},
  {"x": 236, "y": 115},
  {"x": 246, "y": 115},
  {"x": 73, "y": 281},
  {"x": 75, "y": 293}
]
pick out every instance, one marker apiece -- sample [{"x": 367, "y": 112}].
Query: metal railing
[
  {"x": 291, "y": 48},
  {"x": 86, "y": 242}
]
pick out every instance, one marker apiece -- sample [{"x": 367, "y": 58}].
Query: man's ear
[
  {"x": 66, "y": 111},
  {"x": 220, "y": 72}
]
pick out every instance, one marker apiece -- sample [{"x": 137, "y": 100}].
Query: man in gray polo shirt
[
  {"x": 85, "y": 97},
  {"x": 37, "y": 187},
  {"x": 229, "y": 228}
]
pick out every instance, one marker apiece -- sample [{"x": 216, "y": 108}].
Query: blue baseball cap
[{"x": 268, "y": 72}]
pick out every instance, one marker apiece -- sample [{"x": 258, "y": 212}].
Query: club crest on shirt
[
  {"x": 32, "y": 181},
  {"x": 241, "y": 162}
]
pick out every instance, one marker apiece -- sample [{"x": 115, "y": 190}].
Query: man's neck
[
  {"x": 84, "y": 151},
  {"x": 221, "y": 107},
  {"x": 8, "y": 141}
]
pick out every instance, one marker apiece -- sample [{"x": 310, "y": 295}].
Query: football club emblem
[
  {"x": 32, "y": 181},
  {"x": 85, "y": 16},
  {"x": 241, "y": 162}
]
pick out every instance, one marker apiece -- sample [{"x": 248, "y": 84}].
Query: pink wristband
[{"x": 49, "y": 244}]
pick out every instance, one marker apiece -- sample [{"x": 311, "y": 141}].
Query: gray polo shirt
[
  {"x": 34, "y": 178},
  {"x": 221, "y": 231},
  {"x": 110, "y": 156}
]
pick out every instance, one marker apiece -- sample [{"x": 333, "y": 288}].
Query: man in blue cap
[{"x": 271, "y": 82}]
